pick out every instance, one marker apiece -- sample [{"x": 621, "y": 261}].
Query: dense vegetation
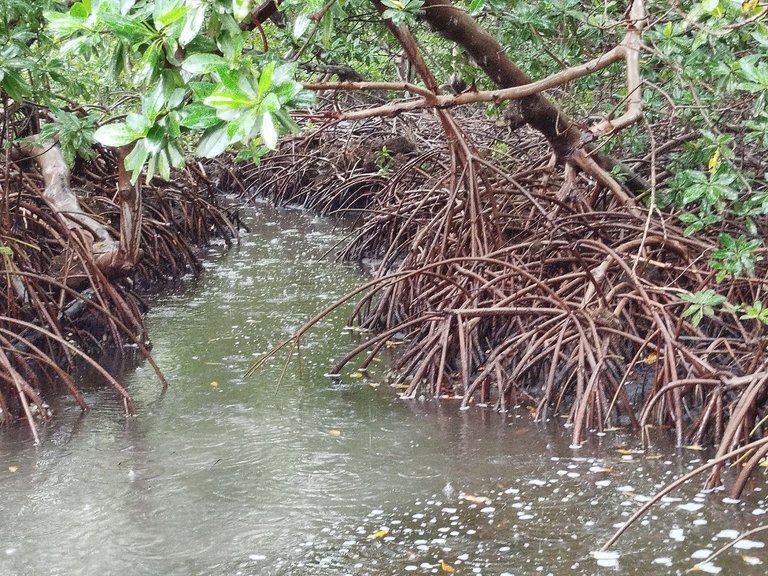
[{"x": 564, "y": 200}]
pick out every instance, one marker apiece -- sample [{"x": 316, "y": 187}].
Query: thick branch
[
  {"x": 564, "y": 137},
  {"x": 630, "y": 47},
  {"x": 130, "y": 213},
  {"x": 63, "y": 202},
  {"x": 449, "y": 100},
  {"x": 458, "y": 26}
]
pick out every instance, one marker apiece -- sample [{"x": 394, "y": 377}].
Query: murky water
[{"x": 223, "y": 476}]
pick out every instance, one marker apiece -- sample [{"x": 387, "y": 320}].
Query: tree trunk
[
  {"x": 130, "y": 213},
  {"x": 459, "y": 27},
  {"x": 564, "y": 137},
  {"x": 104, "y": 249}
]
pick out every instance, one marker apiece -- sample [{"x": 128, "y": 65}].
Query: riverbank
[
  {"x": 77, "y": 263},
  {"x": 517, "y": 282}
]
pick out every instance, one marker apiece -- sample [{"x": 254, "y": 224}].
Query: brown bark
[
  {"x": 459, "y": 27},
  {"x": 104, "y": 249},
  {"x": 565, "y": 138},
  {"x": 130, "y": 213}
]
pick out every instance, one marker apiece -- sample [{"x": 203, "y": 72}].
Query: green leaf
[
  {"x": 213, "y": 142},
  {"x": 268, "y": 131},
  {"x": 79, "y": 10},
  {"x": 193, "y": 23},
  {"x": 173, "y": 15},
  {"x": 241, "y": 8},
  {"x": 117, "y": 134},
  {"x": 163, "y": 164},
  {"x": 198, "y": 116},
  {"x": 265, "y": 78},
  {"x": 202, "y": 89},
  {"x": 226, "y": 100},
  {"x": 134, "y": 162},
  {"x": 202, "y": 63},
  {"x": 300, "y": 25},
  {"x": 15, "y": 86},
  {"x": 126, "y": 28}
]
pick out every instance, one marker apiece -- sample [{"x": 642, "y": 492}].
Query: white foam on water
[
  {"x": 748, "y": 544},
  {"x": 677, "y": 534},
  {"x": 703, "y": 553}
]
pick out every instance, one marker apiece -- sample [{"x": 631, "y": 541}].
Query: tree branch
[{"x": 432, "y": 100}]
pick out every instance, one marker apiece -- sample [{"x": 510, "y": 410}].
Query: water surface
[{"x": 229, "y": 476}]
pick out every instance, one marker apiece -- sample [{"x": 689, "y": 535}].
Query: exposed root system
[
  {"x": 512, "y": 281},
  {"x": 59, "y": 308}
]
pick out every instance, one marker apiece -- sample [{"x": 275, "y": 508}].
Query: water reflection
[{"x": 225, "y": 476}]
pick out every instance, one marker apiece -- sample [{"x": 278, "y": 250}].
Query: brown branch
[
  {"x": 630, "y": 49},
  {"x": 348, "y": 86},
  {"x": 432, "y": 100}
]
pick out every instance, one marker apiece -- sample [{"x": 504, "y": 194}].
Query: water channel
[{"x": 226, "y": 476}]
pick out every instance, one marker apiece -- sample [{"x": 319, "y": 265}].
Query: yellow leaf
[
  {"x": 215, "y": 384},
  {"x": 12, "y": 468},
  {"x": 446, "y": 567},
  {"x": 624, "y": 451},
  {"x": 334, "y": 432},
  {"x": 653, "y": 457},
  {"x": 694, "y": 447},
  {"x": 650, "y": 359},
  {"x": 714, "y": 161},
  {"x": 764, "y": 463},
  {"x": 380, "y": 533},
  {"x": 356, "y": 375},
  {"x": 607, "y": 470},
  {"x": 751, "y": 560},
  {"x": 748, "y": 6}
]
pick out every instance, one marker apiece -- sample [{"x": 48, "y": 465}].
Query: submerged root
[
  {"x": 60, "y": 307},
  {"x": 511, "y": 283}
]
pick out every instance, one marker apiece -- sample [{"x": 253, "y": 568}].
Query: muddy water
[{"x": 225, "y": 476}]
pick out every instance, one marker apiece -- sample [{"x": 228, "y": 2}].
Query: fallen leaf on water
[
  {"x": 694, "y": 447},
  {"x": 604, "y": 469},
  {"x": 653, "y": 457},
  {"x": 334, "y": 432},
  {"x": 215, "y": 384},
  {"x": 624, "y": 451},
  {"x": 446, "y": 567},
  {"x": 356, "y": 375},
  {"x": 380, "y": 533},
  {"x": 12, "y": 468},
  {"x": 475, "y": 499},
  {"x": 650, "y": 359}
]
